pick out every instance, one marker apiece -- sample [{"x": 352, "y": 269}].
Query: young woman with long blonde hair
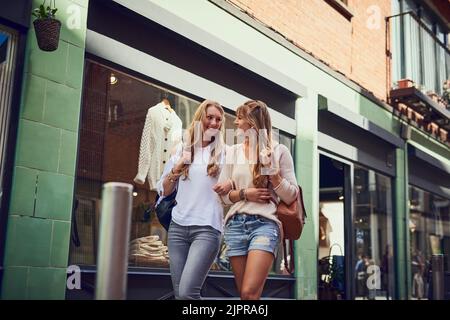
[
  {"x": 197, "y": 219},
  {"x": 263, "y": 174}
]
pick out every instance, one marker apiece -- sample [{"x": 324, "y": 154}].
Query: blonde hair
[
  {"x": 256, "y": 113},
  {"x": 195, "y": 136}
]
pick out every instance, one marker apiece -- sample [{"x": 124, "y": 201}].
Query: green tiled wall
[
  {"x": 306, "y": 163},
  {"x": 39, "y": 223}
]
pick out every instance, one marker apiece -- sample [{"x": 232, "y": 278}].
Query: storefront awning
[
  {"x": 344, "y": 114},
  {"x": 413, "y": 151}
]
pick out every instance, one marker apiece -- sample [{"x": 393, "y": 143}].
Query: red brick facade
[{"x": 355, "y": 47}]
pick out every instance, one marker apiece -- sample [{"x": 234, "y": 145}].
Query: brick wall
[{"x": 355, "y": 48}]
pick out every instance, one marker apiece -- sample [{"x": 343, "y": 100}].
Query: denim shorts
[{"x": 245, "y": 232}]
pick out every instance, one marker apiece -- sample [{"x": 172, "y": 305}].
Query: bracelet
[
  {"x": 173, "y": 177},
  {"x": 243, "y": 194},
  {"x": 278, "y": 186}
]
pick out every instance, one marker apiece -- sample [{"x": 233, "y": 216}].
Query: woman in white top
[
  {"x": 262, "y": 174},
  {"x": 195, "y": 231}
]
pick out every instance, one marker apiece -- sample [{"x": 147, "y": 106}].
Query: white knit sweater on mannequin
[{"x": 162, "y": 132}]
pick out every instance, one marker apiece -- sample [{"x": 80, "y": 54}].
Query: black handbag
[{"x": 164, "y": 209}]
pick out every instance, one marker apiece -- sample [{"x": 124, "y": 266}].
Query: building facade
[{"x": 349, "y": 87}]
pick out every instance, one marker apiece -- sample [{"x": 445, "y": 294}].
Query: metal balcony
[
  {"x": 419, "y": 66},
  {"x": 417, "y": 53}
]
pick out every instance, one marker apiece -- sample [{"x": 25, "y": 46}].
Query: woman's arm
[
  {"x": 170, "y": 181},
  {"x": 223, "y": 188},
  {"x": 163, "y": 187},
  {"x": 233, "y": 196},
  {"x": 225, "y": 177},
  {"x": 284, "y": 182},
  {"x": 171, "y": 173},
  {"x": 261, "y": 195},
  {"x": 225, "y": 180}
]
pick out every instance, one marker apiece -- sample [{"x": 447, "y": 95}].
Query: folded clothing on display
[{"x": 149, "y": 252}]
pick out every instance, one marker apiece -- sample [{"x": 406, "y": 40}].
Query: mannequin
[
  {"x": 324, "y": 234},
  {"x": 162, "y": 132}
]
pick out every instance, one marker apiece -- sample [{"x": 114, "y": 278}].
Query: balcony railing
[{"x": 417, "y": 53}]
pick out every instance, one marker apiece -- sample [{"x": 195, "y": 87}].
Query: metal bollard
[
  {"x": 112, "y": 262},
  {"x": 437, "y": 267}
]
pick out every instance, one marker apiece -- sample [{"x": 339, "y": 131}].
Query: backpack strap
[{"x": 289, "y": 267}]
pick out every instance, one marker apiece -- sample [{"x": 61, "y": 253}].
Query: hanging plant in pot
[{"x": 47, "y": 27}]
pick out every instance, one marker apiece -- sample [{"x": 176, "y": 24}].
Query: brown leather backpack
[{"x": 293, "y": 218}]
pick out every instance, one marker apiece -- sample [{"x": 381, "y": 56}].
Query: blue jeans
[
  {"x": 245, "y": 232},
  {"x": 192, "y": 251}
]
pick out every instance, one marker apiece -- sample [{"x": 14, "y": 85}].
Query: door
[{"x": 334, "y": 235}]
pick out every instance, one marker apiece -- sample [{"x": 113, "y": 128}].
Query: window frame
[
  {"x": 146, "y": 80},
  {"x": 342, "y": 7}
]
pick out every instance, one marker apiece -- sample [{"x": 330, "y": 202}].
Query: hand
[
  {"x": 138, "y": 180},
  {"x": 184, "y": 160},
  {"x": 261, "y": 195},
  {"x": 265, "y": 157},
  {"x": 275, "y": 179},
  {"x": 223, "y": 188}
]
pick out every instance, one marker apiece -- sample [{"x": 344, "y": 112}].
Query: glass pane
[
  {"x": 114, "y": 109},
  {"x": 7, "y": 71},
  {"x": 373, "y": 265},
  {"x": 331, "y": 252},
  {"x": 113, "y": 115},
  {"x": 429, "y": 229}
]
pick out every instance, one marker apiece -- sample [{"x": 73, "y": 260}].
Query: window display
[
  {"x": 374, "y": 259},
  {"x": 127, "y": 132},
  {"x": 429, "y": 229},
  {"x": 9, "y": 41},
  {"x": 129, "y": 129},
  {"x": 161, "y": 133}
]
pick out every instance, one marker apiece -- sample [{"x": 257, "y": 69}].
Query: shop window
[
  {"x": 429, "y": 229},
  {"x": 114, "y": 109},
  {"x": 113, "y": 115},
  {"x": 9, "y": 45},
  {"x": 8, "y": 55},
  {"x": 373, "y": 235}
]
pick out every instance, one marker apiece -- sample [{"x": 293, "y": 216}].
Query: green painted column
[
  {"x": 306, "y": 163},
  {"x": 39, "y": 222},
  {"x": 401, "y": 221}
]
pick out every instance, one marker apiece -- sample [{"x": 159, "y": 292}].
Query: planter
[
  {"x": 405, "y": 83},
  {"x": 47, "y": 33},
  {"x": 433, "y": 96}
]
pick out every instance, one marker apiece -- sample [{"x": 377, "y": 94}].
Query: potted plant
[
  {"x": 405, "y": 83},
  {"x": 446, "y": 93},
  {"x": 433, "y": 95},
  {"x": 46, "y": 26}
]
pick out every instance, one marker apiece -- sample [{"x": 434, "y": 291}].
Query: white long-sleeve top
[
  {"x": 197, "y": 203},
  {"x": 162, "y": 132}
]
